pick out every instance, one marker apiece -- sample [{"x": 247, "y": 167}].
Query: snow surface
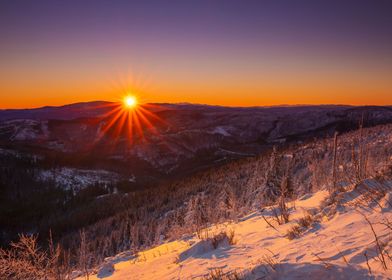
[
  {"x": 332, "y": 248},
  {"x": 76, "y": 179},
  {"x": 222, "y": 130},
  {"x": 25, "y": 129},
  {"x": 8, "y": 152}
]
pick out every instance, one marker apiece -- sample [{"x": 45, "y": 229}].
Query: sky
[{"x": 234, "y": 53}]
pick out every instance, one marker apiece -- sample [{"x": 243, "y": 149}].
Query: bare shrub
[
  {"x": 328, "y": 206},
  {"x": 284, "y": 211},
  {"x": 324, "y": 261},
  {"x": 84, "y": 254},
  {"x": 26, "y": 260},
  {"x": 306, "y": 221},
  {"x": 335, "y": 148},
  {"x": 380, "y": 245},
  {"x": 269, "y": 223},
  {"x": 281, "y": 212},
  {"x": 219, "y": 274},
  {"x": 270, "y": 261},
  {"x": 294, "y": 232},
  {"x": 221, "y": 237},
  {"x": 302, "y": 225},
  {"x": 266, "y": 265},
  {"x": 367, "y": 263},
  {"x": 231, "y": 237}
]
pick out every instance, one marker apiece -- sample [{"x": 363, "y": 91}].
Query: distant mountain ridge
[
  {"x": 65, "y": 112},
  {"x": 98, "y": 108},
  {"x": 187, "y": 137}
]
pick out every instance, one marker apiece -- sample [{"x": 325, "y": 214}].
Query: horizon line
[{"x": 203, "y": 104}]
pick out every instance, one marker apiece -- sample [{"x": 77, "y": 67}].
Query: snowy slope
[
  {"x": 76, "y": 179},
  {"x": 333, "y": 247}
]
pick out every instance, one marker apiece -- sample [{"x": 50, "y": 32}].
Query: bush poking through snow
[
  {"x": 222, "y": 237},
  {"x": 231, "y": 237},
  {"x": 294, "y": 232},
  {"x": 382, "y": 254},
  {"x": 218, "y": 274},
  {"x": 281, "y": 213},
  {"x": 306, "y": 221},
  {"x": 270, "y": 261},
  {"x": 265, "y": 266},
  {"x": 302, "y": 225}
]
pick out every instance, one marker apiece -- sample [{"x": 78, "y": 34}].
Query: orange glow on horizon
[{"x": 269, "y": 90}]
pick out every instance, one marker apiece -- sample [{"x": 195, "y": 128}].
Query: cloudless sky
[{"x": 225, "y": 52}]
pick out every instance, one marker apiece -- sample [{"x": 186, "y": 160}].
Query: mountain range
[{"x": 185, "y": 137}]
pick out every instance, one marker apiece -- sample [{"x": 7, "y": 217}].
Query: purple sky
[{"x": 197, "y": 51}]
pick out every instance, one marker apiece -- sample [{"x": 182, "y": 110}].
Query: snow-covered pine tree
[{"x": 227, "y": 204}]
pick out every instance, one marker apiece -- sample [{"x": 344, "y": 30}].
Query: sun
[
  {"x": 130, "y": 119},
  {"x": 130, "y": 101}
]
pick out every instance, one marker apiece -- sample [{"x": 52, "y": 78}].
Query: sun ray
[
  {"x": 107, "y": 127},
  {"x": 130, "y": 127},
  {"x": 144, "y": 119},
  {"x": 147, "y": 112},
  {"x": 128, "y": 120},
  {"x": 138, "y": 126}
]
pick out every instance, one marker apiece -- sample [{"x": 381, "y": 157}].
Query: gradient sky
[{"x": 216, "y": 52}]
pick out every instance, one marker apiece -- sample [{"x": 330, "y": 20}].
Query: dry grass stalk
[
  {"x": 367, "y": 262},
  {"x": 379, "y": 244},
  {"x": 268, "y": 223},
  {"x": 219, "y": 274}
]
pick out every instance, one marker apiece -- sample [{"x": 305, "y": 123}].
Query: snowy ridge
[
  {"x": 222, "y": 130},
  {"x": 25, "y": 130},
  {"x": 338, "y": 244},
  {"x": 76, "y": 179}
]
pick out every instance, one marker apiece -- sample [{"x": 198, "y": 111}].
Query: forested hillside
[{"x": 113, "y": 222}]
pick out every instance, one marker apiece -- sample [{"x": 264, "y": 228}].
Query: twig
[
  {"x": 382, "y": 258},
  {"x": 265, "y": 219},
  {"x": 367, "y": 263},
  {"x": 326, "y": 264}
]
